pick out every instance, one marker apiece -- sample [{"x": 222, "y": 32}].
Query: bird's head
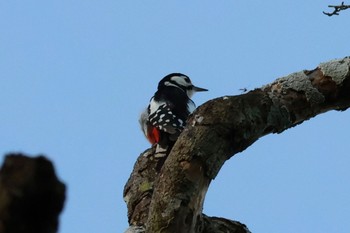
[{"x": 180, "y": 81}]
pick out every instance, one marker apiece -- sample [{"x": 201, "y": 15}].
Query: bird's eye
[{"x": 187, "y": 79}]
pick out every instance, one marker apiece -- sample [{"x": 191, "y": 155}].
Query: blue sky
[{"x": 75, "y": 76}]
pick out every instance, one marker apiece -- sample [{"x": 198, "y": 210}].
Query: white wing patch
[{"x": 155, "y": 105}]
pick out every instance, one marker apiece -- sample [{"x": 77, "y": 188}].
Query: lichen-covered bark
[
  {"x": 31, "y": 196},
  {"x": 139, "y": 188},
  {"x": 215, "y": 132}
]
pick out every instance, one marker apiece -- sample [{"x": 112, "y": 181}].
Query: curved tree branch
[
  {"x": 31, "y": 196},
  {"x": 169, "y": 197},
  {"x": 337, "y": 9}
]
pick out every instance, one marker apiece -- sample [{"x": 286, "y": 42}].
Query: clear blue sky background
[{"x": 74, "y": 76}]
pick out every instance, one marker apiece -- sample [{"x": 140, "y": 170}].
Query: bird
[{"x": 165, "y": 116}]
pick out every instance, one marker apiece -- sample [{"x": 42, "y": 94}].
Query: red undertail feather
[{"x": 153, "y": 135}]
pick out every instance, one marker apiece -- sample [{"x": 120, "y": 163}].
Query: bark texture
[
  {"x": 167, "y": 196},
  {"x": 31, "y": 196}
]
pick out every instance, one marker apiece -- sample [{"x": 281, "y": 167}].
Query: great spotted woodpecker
[{"x": 166, "y": 115}]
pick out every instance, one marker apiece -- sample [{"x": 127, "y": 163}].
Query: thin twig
[{"x": 337, "y": 9}]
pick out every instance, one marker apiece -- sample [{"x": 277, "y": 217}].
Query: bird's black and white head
[{"x": 180, "y": 81}]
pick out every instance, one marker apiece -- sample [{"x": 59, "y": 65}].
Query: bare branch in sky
[{"x": 337, "y": 9}]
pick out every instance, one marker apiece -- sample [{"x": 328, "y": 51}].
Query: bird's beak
[{"x": 197, "y": 89}]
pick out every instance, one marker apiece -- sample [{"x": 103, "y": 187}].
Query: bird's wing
[{"x": 165, "y": 120}]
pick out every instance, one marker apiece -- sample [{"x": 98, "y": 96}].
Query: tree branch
[
  {"x": 171, "y": 200},
  {"x": 31, "y": 196},
  {"x": 337, "y": 9}
]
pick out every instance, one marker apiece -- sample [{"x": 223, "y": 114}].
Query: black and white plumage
[{"x": 166, "y": 115}]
